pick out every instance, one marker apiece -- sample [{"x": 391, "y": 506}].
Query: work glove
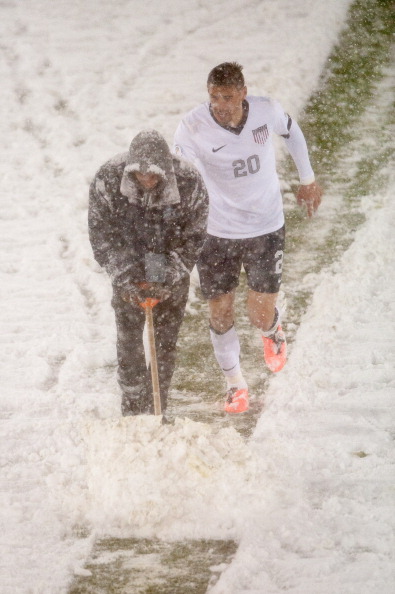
[
  {"x": 132, "y": 294},
  {"x": 158, "y": 291}
]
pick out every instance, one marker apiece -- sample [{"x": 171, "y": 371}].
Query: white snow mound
[{"x": 148, "y": 478}]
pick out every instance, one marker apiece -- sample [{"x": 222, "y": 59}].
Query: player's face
[{"x": 227, "y": 103}]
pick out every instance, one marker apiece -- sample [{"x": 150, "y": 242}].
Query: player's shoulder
[
  {"x": 261, "y": 101},
  {"x": 266, "y": 107},
  {"x": 197, "y": 116},
  {"x": 198, "y": 111}
]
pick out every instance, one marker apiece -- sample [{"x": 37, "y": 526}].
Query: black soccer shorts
[{"x": 221, "y": 259}]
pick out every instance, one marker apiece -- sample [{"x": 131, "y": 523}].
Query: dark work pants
[{"x": 133, "y": 376}]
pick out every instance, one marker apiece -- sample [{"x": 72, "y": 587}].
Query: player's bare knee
[
  {"x": 221, "y": 323},
  {"x": 222, "y": 313},
  {"x": 221, "y": 318}
]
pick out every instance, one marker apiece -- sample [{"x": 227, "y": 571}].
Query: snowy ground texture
[{"x": 310, "y": 497}]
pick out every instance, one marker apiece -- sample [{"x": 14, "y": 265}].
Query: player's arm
[{"x": 309, "y": 192}]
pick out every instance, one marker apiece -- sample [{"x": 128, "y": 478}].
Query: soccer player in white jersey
[{"x": 230, "y": 140}]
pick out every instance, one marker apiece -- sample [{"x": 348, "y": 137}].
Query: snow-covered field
[{"x": 311, "y": 495}]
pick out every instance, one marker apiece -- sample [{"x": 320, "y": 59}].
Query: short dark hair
[{"x": 227, "y": 74}]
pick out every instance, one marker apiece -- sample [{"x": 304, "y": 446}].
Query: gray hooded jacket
[{"x": 126, "y": 221}]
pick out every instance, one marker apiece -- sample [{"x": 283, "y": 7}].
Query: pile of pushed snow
[{"x": 181, "y": 480}]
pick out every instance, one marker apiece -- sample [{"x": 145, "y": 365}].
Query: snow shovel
[
  {"x": 154, "y": 273},
  {"x": 148, "y": 305}
]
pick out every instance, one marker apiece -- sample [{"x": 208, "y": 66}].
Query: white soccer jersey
[{"x": 239, "y": 170}]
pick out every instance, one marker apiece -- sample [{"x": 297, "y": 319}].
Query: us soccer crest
[{"x": 261, "y": 134}]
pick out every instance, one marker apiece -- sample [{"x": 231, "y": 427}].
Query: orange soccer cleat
[
  {"x": 236, "y": 400},
  {"x": 275, "y": 350}
]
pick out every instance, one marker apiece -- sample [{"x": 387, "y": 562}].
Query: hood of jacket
[{"x": 150, "y": 153}]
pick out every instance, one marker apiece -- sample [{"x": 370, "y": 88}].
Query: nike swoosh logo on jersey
[{"x": 218, "y": 149}]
